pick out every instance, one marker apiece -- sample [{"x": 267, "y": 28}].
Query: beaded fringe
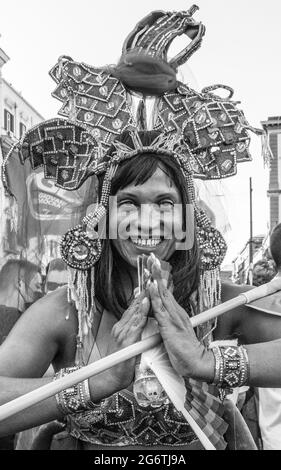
[
  {"x": 209, "y": 297},
  {"x": 81, "y": 290}
]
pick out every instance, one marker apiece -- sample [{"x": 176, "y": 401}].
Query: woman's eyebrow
[
  {"x": 156, "y": 195},
  {"x": 171, "y": 194},
  {"x": 123, "y": 194}
]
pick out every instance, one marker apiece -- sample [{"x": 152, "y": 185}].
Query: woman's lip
[{"x": 148, "y": 247}]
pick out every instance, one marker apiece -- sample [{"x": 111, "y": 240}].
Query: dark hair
[
  {"x": 15, "y": 270},
  {"x": 185, "y": 264},
  {"x": 275, "y": 245}
]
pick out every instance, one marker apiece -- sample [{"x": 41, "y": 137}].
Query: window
[
  {"x": 22, "y": 129},
  {"x": 8, "y": 121}
]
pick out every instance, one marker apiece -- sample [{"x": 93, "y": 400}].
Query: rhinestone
[
  {"x": 226, "y": 165},
  {"x": 200, "y": 117},
  {"x": 59, "y": 135},
  {"x": 96, "y": 132},
  {"x": 231, "y": 352},
  {"x": 99, "y": 78},
  {"x": 231, "y": 379},
  {"x": 196, "y": 104},
  {"x": 213, "y": 135},
  {"x": 63, "y": 92},
  {"x": 81, "y": 252},
  {"x": 110, "y": 105},
  {"x": 92, "y": 234},
  {"x": 103, "y": 90},
  {"x": 238, "y": 127},
  {"x": 233, "y": 364},
  {"x": 214, "y": 149},
  {"x": 222, "y": 116},
  {"x": 81, "y": 87},
  {"x": 83, "y": 100},
  {"x": 39, "y": 149},
  {"x": 64, "y": 174},
  {"x": 73, "y": 148},
  {"x": 88, "y": 116},
  {"x": 241, "y": 146},
  {"x": 176, "y": 100},
  {"x": 214, "y": 121},
  {"x": 53, "y": 160},
  {"x": 77, "y": 71},
  {"x": 117, "y": 123}
]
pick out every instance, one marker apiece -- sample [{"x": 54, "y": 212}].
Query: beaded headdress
[{"x": 206, "y": 134}]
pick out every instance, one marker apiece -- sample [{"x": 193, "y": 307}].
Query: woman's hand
[
  {"x": 125, "y": 332},
  {"x": 187, "y": 355}
]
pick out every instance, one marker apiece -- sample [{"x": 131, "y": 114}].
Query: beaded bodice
[{"x": 120, "y": 421}]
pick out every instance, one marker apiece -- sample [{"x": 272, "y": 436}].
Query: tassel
[
  {"x": 81, "y": 292},
  {"x": 209, "y": 296}
]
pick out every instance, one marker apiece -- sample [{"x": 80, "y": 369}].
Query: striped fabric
[{"x": 207, "y": 410}]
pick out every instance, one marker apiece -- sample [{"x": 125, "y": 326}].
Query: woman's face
[{"x": 146, "y": 217}]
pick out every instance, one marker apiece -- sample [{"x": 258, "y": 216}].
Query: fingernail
[
  {"x": 155, "y": 283},
  {"x": 136, "y": 292},
  {"x": 144, "y": 301},
  {"x": 157, "y": 262}
]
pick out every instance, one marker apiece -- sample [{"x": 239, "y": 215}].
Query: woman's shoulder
[
  {"x": 53, "y": 309},
  {"x": 229, "y": 290}
]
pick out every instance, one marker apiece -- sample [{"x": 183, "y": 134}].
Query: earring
[
  {"x": 79, "y": 250},
  {"x": 211, "y": 243}
]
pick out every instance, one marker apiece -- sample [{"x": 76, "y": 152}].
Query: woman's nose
[{"x": 149, "y": 220}]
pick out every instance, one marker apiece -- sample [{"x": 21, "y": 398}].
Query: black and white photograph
[{"x": 140, "y": 228}]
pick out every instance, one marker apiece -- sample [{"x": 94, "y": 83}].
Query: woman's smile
[{"x": 146, "y": 218}]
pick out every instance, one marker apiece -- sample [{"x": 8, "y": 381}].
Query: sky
[{"x": 241, "y": 48}]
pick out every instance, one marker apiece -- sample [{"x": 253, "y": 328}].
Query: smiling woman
[
  {"x": 151, "y": 196},
  {"x": 145, "y": 185}
]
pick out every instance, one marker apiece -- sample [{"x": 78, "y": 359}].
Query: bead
[
  {"x": 77, "y": 71},
  {"x": 103, "y": 90}
]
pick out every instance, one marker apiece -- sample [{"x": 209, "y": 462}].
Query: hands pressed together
[{"x": 187, "y": 355}]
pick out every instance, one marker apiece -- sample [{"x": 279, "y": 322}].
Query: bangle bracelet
[
  {"x": 75, "y": 398},
  {"x": 232, "y": 367}
]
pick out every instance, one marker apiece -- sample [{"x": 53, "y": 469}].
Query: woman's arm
[
  {"x": 190, "y": 358},
  {"x": 42, "y": 336}
]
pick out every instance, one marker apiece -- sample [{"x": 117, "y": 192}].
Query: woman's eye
[
  {"x": 127, "y": 204},
  {"x": 166, "y": 204}
]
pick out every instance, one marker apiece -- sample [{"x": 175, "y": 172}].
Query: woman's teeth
[{"x": 146, "y": 242}]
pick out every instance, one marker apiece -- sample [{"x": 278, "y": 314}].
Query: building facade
[
  {"x": 16, "y": 116},
  {"x": 241, "y": 264},
  {"x": 273, "y": 129}
]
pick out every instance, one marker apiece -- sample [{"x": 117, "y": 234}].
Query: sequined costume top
[{"x": 120, "y": 421}]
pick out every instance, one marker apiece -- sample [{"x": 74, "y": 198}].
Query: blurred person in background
[
  {"x": 56, "y": 275},
  {"x": 269, "y": 399},
  {"x": 20, "y": 286}
]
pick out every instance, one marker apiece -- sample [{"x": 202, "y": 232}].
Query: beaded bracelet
[
  {"x": 232, "y": 367},
  {"x": 75, "y": 398}
]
